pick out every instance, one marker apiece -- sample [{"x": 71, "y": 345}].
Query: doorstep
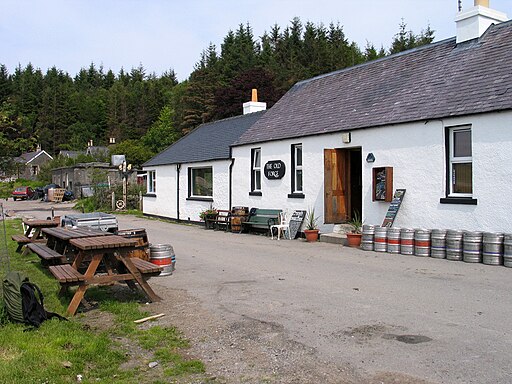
[{"x": 334, "y": 238}]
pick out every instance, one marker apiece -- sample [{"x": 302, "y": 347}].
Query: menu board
[
  {"x": 394, "y": 206},
  {"x": 295, "y": 223}
]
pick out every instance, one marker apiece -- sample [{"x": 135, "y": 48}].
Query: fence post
[
  {"x": 140, "y": 201},
  {"x": 113, "y": 201}
]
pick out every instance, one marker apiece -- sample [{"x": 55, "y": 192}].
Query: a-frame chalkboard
[
  {"x": 295, "y": 223},
  {"x": 394, "y": 206}
]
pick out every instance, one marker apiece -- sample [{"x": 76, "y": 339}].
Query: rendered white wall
[
  {"x": 416, "y": 151},
  {"x": 164, "y": 204}
]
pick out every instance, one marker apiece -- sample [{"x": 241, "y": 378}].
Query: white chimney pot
[{"x": 472, "y": 23}]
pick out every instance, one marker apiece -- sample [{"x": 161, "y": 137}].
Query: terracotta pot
[
  {"x": 311, "y": 235},
  {"x": 354, "y": 239}
]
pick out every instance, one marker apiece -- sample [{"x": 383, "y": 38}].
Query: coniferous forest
[{"x": 146, "y": 112}]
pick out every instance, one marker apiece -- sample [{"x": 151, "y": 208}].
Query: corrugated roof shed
[
  {"x": 435, "y": 81},
  {"x": 210, "y": 141}
]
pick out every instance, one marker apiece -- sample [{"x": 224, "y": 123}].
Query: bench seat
[
  {"x": 66, "y": 274},
  {"x": 48, "y": 255},
  {"x": 146, "y": 267},
  {"x": 23, "y": 240},
  {"x": 262, "y": 219}
]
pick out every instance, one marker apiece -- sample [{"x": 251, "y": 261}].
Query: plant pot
[
  {"x": 354, "y": 239},
  {"x": 311, "y": 235}
]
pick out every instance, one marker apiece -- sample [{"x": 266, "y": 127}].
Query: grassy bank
[{"x": 102, "y": 346}]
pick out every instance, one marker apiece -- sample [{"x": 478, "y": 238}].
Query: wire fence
[{"x": 4, "y": 251}]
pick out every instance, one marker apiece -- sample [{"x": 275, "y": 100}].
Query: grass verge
[{"x": 102, "y": 346}]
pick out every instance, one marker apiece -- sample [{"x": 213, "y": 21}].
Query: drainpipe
[
  {"x": 178, "y": 167},
  {"x": 230, "y": 182}
]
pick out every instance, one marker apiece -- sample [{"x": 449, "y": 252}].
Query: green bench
[{"x": 261, "y": 219}]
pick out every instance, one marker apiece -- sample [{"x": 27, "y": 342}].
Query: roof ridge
[{"x": 379, "y": 60}]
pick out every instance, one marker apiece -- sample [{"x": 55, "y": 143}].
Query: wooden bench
[
  {"x": 24, "y": 240},
  {"x": 66, "y": 274},
  {"x": 146, "y": 267},
  {"x": 48, "y": 256},
  {"x": 223, "y": 218},
  {"x": 261, "y": 219}
]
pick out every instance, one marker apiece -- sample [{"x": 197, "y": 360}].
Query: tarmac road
[{"x": 437, "y": 320}]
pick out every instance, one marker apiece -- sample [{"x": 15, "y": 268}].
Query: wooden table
[
  {"x": 113, "y": 252},
  {"x": 37, "y": 226},
  {"x": 32, "y": 225},
  {"x": 58, "y": 238}
]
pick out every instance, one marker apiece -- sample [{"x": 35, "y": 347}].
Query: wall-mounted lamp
[
  {"x": 370, "y": 158},
  {"x": 345, "y": 137}
]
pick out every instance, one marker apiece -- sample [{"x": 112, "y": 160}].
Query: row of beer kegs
[{"x": 471, "y": 247}]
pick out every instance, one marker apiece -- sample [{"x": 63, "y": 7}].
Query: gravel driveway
[{"x": 261, "y": 310}]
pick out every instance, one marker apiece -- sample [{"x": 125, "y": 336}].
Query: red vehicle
[{"x": 22, "y": 193}]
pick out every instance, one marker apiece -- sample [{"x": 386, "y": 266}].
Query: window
[
  {"x": 461, "y": 165},
  {"x": 151, "y": 181},
  {"x": 200, "y": 182},
  {"x": 256, "y": 170},
  {"x": 459, "y": 155},
  {"x": 297, "y": 168}
]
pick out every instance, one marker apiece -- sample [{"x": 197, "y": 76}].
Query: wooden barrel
[
  {"x": 393, "y": 240},
  {"x": 492, "y": 248},
  {"x": 367, "y": 237},
  {"x": 139, "y": 235},
  {"x": 407, "y": 241},
  {"x": 422, "y": 242},
  {"x": 238, "y": 216},
  {"x": 163, "y": 256},
  {"x": 381, "y": 239}
]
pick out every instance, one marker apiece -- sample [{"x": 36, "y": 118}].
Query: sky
[{"x": 170, "y": 34}]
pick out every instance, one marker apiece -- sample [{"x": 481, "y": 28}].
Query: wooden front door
[{"x": 336, "y": 185}]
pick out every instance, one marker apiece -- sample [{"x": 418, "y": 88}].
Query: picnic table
[
  {"x": 112, "y": 252},
  {"x": 58, "y": 238},
  {"x": 33, "y": 231}
]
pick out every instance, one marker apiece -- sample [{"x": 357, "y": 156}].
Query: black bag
[{"x": 25, "y": 298}]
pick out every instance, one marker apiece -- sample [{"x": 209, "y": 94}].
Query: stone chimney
[
  {"x": 472, "y": 23},
  {"x": 254, "y": 105}
]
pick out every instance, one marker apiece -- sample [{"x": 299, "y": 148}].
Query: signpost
[{"x": 394, "y": 206}]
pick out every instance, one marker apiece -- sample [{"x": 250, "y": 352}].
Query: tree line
[{"x": 145, "y": 113}]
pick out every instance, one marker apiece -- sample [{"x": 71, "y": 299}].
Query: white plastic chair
[{"x": 282, "y": 227}]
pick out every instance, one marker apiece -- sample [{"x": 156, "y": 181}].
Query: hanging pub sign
[{"x": 274, "y": 169}]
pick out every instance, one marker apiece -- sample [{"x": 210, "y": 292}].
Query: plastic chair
[{"x": 283, "y": 226}]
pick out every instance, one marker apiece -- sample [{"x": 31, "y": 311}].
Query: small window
[
  {"x": 201, "y": 182},
  {"x": 460, "y": 162},
  {"x": 151, "y": 181},
  {"x": 297, "y": 168},
  {"x": 256, "y": 170}
]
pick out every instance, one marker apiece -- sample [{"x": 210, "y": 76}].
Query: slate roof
[
  {"x": 27, "y": 157},
  {"x": 435, "y": 81},
  {"x": 210, "y": 141}
]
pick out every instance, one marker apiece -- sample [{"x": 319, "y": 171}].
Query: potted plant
[
  {"x": 208, "y": 216},
  {"x": 354, "y": 236},
  {"x": 311, "y": 231}
]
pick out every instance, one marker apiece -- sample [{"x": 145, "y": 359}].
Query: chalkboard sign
[
  {"x": 295, "y": 223},
  {"x": 394, "y": 206},
  {"x": 274, "y": 169}
]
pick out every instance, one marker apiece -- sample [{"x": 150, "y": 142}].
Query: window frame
[
  {"x": 296, "y": 193},
  {"x": 191, "y": 184},
  {"x": 151, "y": 183},
  {"x": 451, "y": 159},
  {"x": 255, "y": 172}
]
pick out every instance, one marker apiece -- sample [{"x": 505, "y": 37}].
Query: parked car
[{"x": 22, "y": 193}]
